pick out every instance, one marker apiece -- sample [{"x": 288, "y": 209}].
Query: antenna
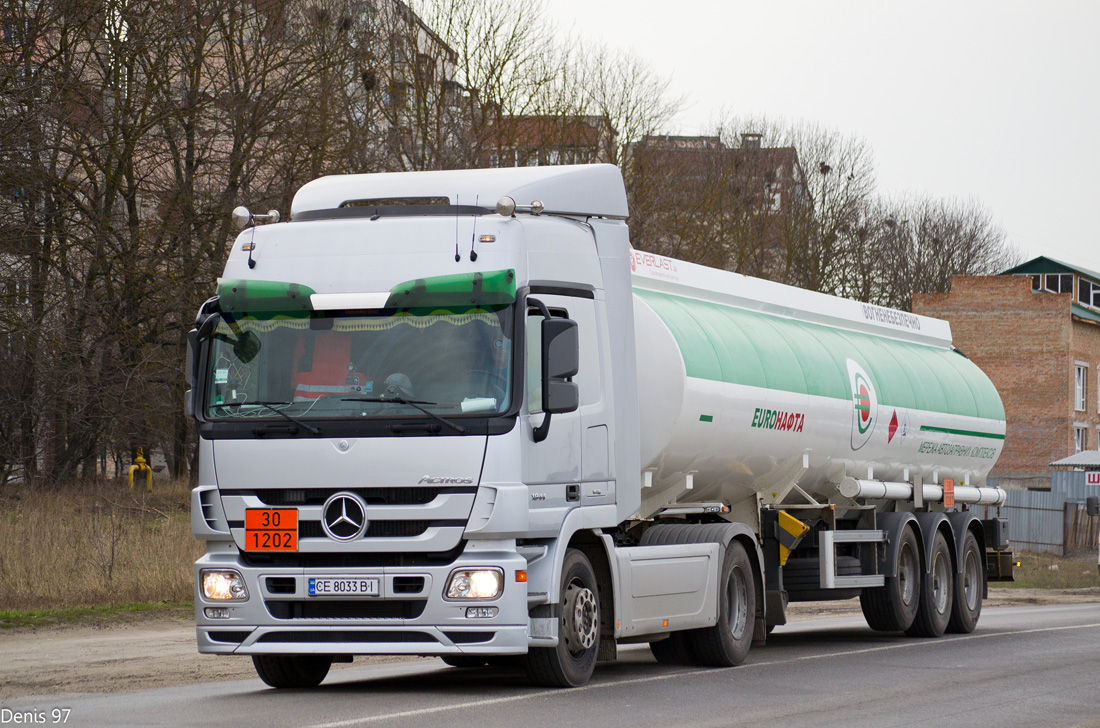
[
  {"x": 473, "y": 232},
  {"x": 457, "y": 256}
]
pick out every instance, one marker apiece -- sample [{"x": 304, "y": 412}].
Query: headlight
[
  {"x": 475, "y": 584},
  {"x": 223, "y": 586}
]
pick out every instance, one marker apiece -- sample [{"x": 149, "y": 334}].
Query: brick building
[{"x": 1035, "y": 330}]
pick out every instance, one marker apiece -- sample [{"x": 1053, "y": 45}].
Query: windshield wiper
[
  {"x": 412, "y": 403},
  {"x": 315, "y": 431}
]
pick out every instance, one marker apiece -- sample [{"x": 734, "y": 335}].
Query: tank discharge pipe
[{"x": 878, "y": 489}]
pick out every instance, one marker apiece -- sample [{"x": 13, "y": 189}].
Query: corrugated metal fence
[{"x": 1052, "y": 521}]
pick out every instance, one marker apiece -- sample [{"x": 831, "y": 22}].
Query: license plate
[
  {"x": 271, "y": 529},
  {"x": 344, "y": 586}
]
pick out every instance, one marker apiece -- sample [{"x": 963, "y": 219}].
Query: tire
[
  {"x": 937, "y": 592},
  {"x": 570, "y": 664},
  {"x": 292, "y": 671},
  {"x": 673, "y": 650},
  {"x": 967, "y": 605},
  {"x": 802, "y": 579},
  {"x": 893, "y": 607},
  {"x": 464, "y": 660},
  {"x": 727, "y": 643}
]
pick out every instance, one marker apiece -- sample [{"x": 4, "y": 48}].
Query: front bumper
[{"x": 409, "y": 617}]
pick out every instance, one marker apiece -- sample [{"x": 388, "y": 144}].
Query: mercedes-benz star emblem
[{"x": 344, "y": 517}]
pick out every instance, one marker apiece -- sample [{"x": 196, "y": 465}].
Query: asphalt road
[{"x": 1023, "y": 666}]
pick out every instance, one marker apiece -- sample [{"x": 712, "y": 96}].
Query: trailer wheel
[
  {"x": 464, "y": 660},
  {"x": 727, "y": 643},
  {"x": 292, "y": 671},
  {"x": 570, "y": 664},
  {"x": 673, "y": 650},
  {"x": 968, "y": 589},
  {"x": 893, "y": 607},
  {"x": 937, "y": 591}
]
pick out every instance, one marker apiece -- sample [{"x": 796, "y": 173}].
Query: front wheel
[
  {"x": 727, "y": 643},
  {"x": 570, "y": 664},
  {"x": 292, "y": 671}
]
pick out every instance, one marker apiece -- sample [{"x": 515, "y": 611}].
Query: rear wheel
[
  {"x": 292, "y": 671},
  {"x": 893, "y": 607},
  {"x": 969, "y": 586},
  {"x": 571, "y": 663},
  {"x": 727, "y": 643},
  {"x": 936, "y": 592}
]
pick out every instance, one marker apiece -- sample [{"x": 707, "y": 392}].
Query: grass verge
[
  {"x": 102, "y": 615},
  {"x": 94, "y": 546},
  {"x": 1046, "y": 571}
]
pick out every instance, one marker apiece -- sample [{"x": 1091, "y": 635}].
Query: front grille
[
  {"x": 376, "y": 529},
  {"x": 346, "y": 609},
  {"x": 346, "y": 636},
  {"x": 410, "y": 496}
]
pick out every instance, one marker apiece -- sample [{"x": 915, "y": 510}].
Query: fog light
[
  {"x": 216, "y": 612},
  {"x": 475, "y": 584},
  {"x": 223, "y": 585},
  {"x": 480, "y": 612}
]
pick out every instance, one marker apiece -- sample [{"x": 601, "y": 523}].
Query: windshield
[{"x": 359, "y": 364}]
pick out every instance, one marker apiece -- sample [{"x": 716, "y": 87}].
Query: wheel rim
[
  {"x": 971, "y": 578},
  {"x": 939, "y": 583},
  {"x": 736, "y": 602},
  {"x": 907, "y": 574},
  {"x": 580, "y": 617}
]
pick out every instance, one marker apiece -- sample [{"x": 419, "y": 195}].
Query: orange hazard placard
[
  {"x": 948, "y": 492},
  {"x": 271, "y": 529}
]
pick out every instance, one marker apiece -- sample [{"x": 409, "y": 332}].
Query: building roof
[
  {"x": 1043, "y": 264},
  {"x": 1083, "y": 459}
]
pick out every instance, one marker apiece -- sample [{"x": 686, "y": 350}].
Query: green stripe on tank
[
  {"x": 968, "y": 433},
  {"x": 706, "y": 418},
  {"x": 726, "y": 344}
]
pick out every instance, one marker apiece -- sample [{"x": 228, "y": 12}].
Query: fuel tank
[{"x": 751, "y": 387}]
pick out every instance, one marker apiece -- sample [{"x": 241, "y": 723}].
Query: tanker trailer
[
  {"x": 850, "y": 438},
  {"x": 429, "y": 426}
]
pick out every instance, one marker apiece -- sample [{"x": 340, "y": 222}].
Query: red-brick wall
[{"x": 1027, "y": 343}]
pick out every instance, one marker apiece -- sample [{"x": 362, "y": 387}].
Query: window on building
[
  {"x": 1088, "y": 292},
  {"x": 1080, "y": 434},
  {"x": 1059, "y": 282},
  {"x": 1081, "y": 373}
]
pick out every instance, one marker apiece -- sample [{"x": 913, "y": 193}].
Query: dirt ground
[{"x": 153, "y": 653}]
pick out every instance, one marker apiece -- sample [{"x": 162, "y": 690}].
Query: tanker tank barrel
[{"x": 882, "y": 490}]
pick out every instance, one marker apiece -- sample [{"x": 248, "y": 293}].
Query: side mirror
[
  {"x": 1092, "y": 506},
  {"x": 560, "y": 360}
]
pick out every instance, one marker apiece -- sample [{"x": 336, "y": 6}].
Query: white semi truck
[{"x": 455, "y": 413}]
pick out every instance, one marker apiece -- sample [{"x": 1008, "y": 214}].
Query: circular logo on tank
[{"x": 864, "y": 405}]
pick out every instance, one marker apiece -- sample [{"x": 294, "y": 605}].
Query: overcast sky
[{"x": 997, "y": 101}]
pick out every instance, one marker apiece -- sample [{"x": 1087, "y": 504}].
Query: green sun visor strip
[
  {"x": 726, "y": 344},
  {"x": 241, "y": 296},
  {"x": 489, "y": 288}
]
